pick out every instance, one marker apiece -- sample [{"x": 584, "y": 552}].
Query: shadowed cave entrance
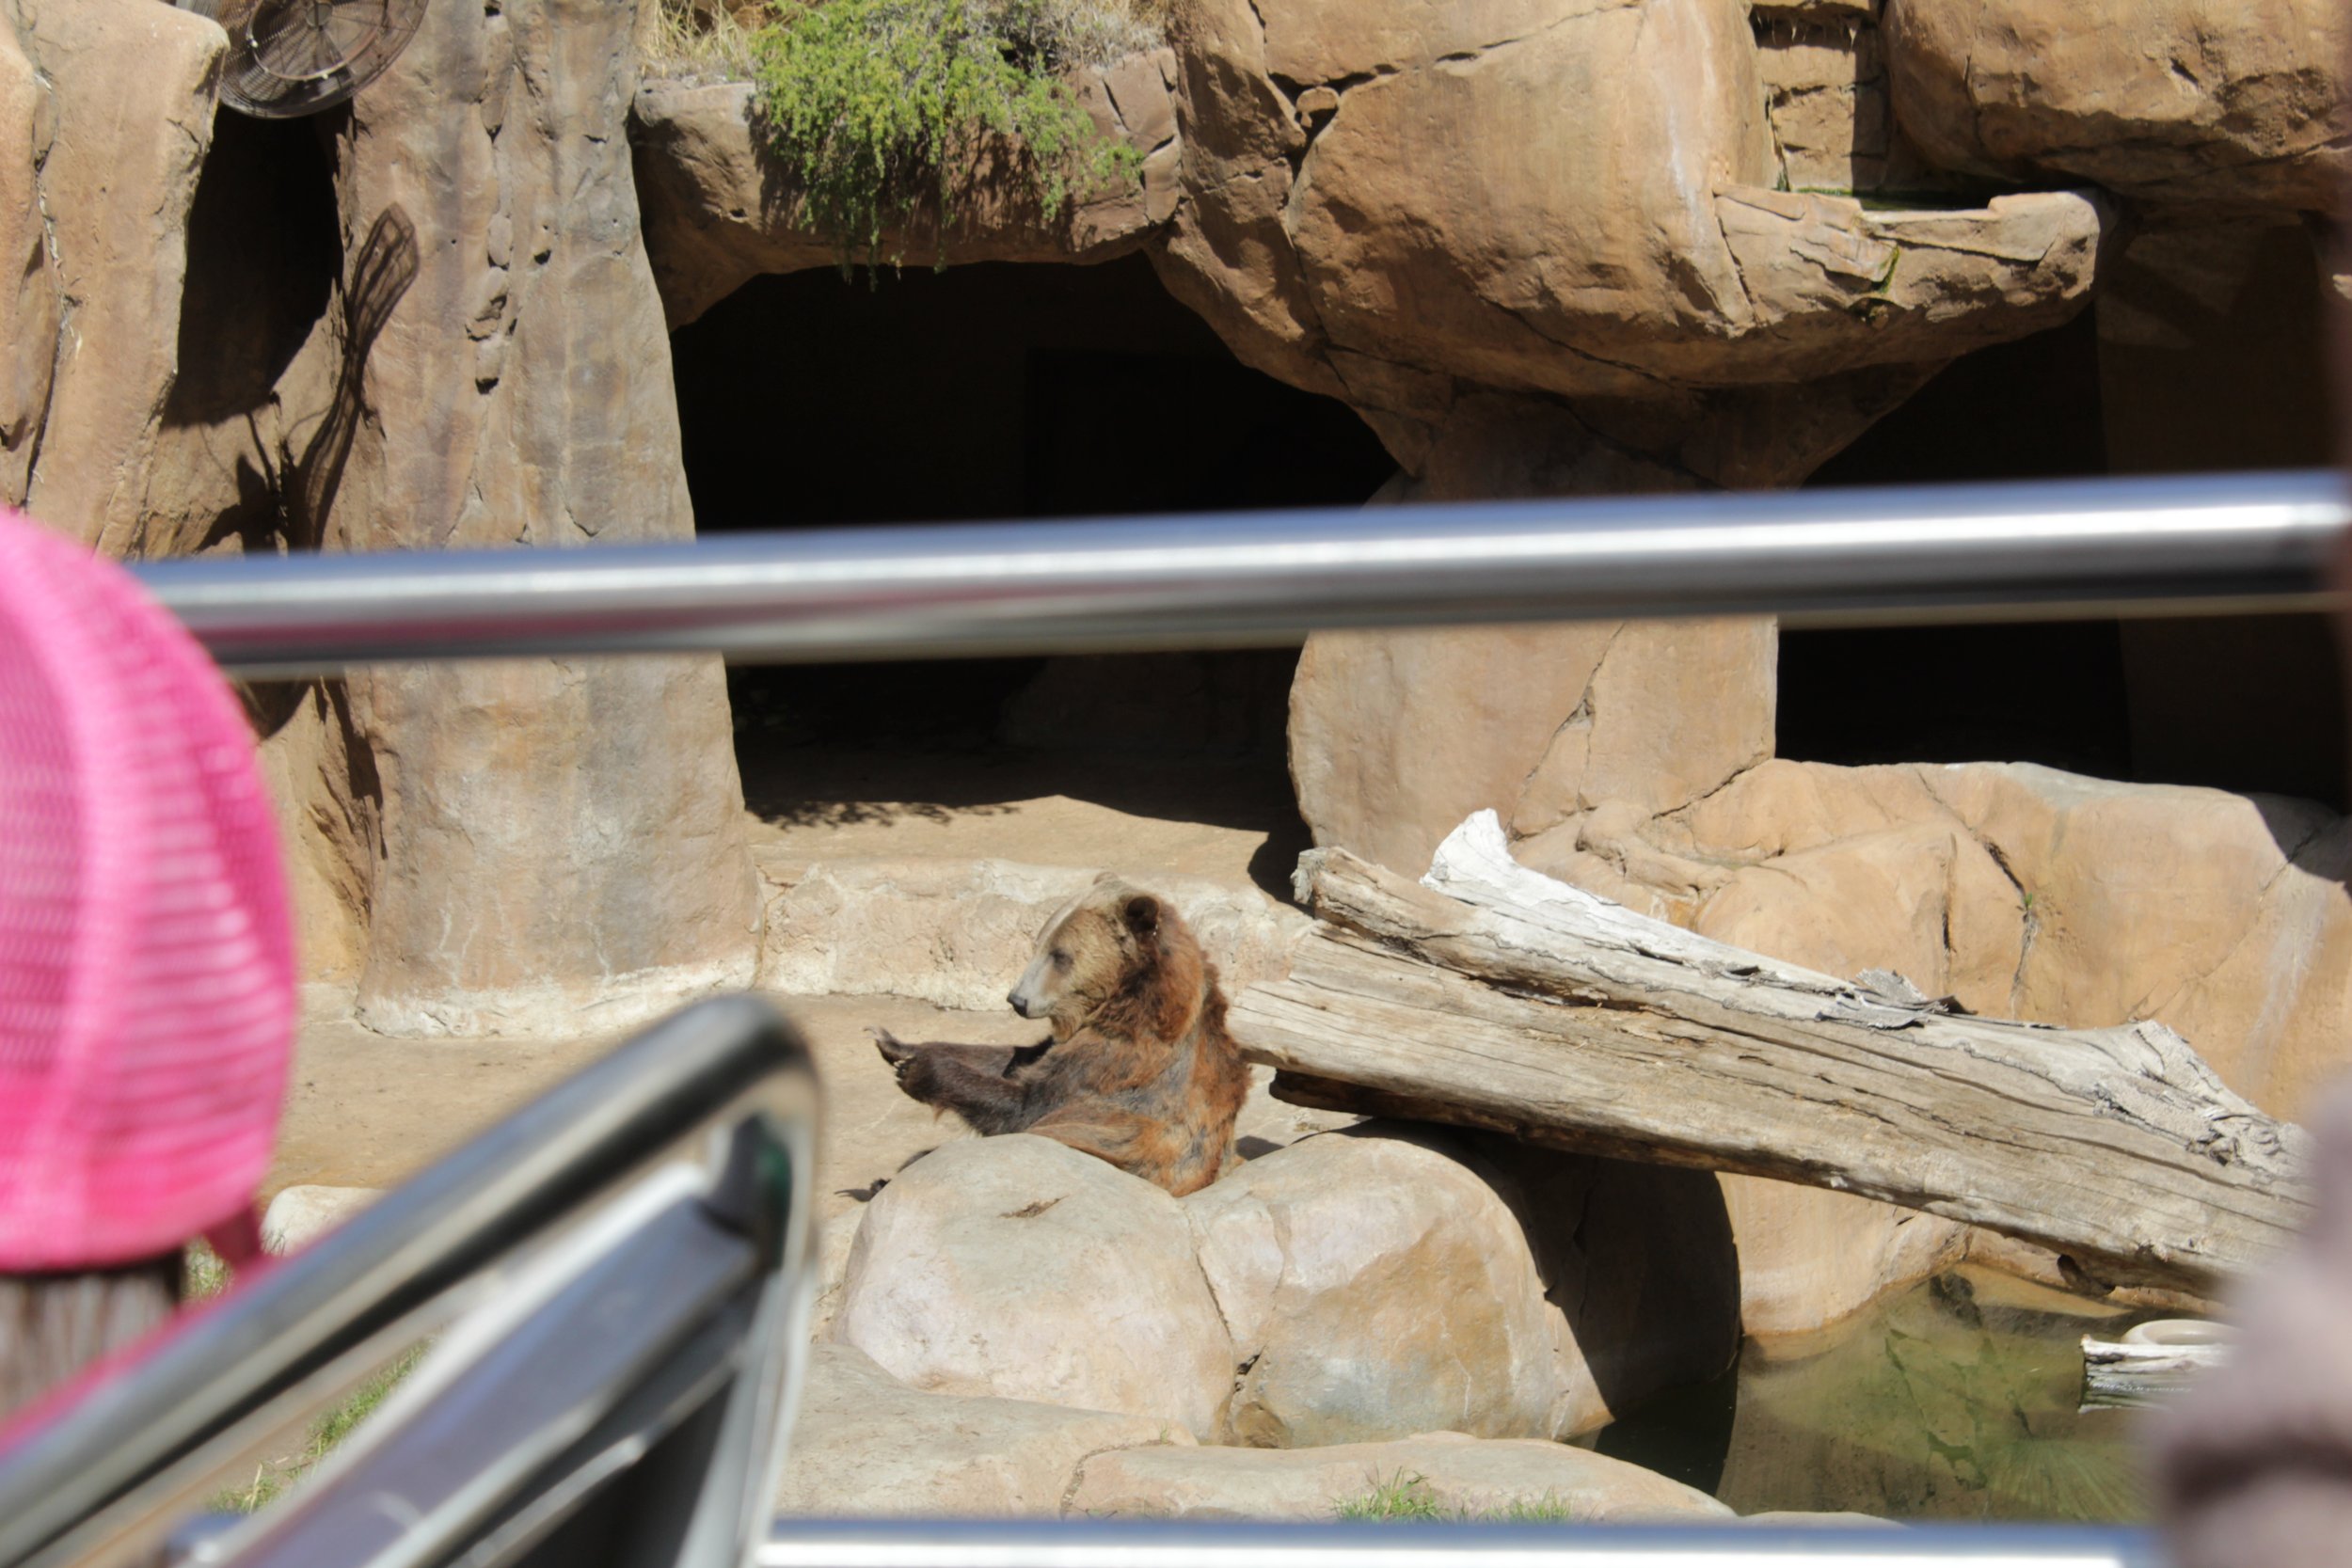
[
  {"x": 2149, "y": 381},
  {"x": 1003, "y": 392}
]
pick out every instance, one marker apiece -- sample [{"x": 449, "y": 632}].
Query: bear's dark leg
[{"x": 973, "y": 1081}]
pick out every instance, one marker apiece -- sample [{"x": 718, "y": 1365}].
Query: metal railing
[
  {"x": 2055, "y": 549},
  {"x": 1192, "y": 1543},
  {"x": 665, "y": 1322}
]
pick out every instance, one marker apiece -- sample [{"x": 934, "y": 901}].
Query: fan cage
[{"x": 293, "y": 57}]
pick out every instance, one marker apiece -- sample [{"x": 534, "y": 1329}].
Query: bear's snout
[{"x": 1019, "y": 1004}]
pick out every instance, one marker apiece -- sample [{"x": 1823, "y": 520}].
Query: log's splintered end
[{"x": 1309, "y": 872}]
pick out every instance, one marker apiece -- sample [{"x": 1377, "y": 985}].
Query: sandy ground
[{"x": 366, "y": 1110}]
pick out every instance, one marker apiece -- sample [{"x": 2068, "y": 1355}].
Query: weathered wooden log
[
  {"x": 2118, "y": 1375},
  {"x": 1495, "y": 997}
]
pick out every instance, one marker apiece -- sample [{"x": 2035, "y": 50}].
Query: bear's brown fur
[{"x": 1138, "y": 1069}]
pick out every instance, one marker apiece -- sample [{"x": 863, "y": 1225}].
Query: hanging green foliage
[{"x": 875, "y": 106}]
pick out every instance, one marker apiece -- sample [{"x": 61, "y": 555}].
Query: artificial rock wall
[{"x": 480, "y": 848}]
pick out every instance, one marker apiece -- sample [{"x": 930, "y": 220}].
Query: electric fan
[{"x": 289, "y": 58}]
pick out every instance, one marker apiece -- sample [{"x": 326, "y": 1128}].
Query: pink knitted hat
[{"x": 146, "y": 966}]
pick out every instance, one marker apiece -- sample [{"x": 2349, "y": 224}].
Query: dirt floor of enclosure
[
  {"x": 365, "y": 1110},
  {"x": 1202, "y": 817}
]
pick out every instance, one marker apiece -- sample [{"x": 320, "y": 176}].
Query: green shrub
[{"x": 873, "y": 106}]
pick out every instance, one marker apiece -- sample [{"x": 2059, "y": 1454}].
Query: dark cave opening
[
  {"x": 2250, "y": 703},
  {"x": 264, "y": 250},
  {"x": 1003, "y": 392}
]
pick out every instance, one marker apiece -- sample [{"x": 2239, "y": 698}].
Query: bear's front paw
[{"x": 894, "y": 1049}]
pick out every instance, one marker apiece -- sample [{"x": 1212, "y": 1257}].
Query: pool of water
[{"x": 1958, "y": 1399}]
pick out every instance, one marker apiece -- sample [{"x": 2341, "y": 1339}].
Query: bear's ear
[
  {"x": 1102, "y": 876},
  {"x": 1142, "y": 914}
]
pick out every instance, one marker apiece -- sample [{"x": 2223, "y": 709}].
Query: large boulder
[
  {"x": 1375, "y": 1287},
  {"x": 1641, "y": 253},
  {"x": 1451, "y": 1472},
  {"x": 863, "y": 1444},
  {"x": 2019, "y": 891},
  {"x": 1809, "y": 1256},
  {"x": 1380, "y": 1280},
  {"x": 2166, "y": 100},
  {"x": 1017, "y": 1267}
]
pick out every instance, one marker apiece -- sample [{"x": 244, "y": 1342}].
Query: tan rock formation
[
  {"x": 1629, "y": 256},
  {"x": 1374, "y": 1286},
  {"x": 98, "y": 180},
  {"x": 2021, "y": 891},
  {"x": 865, "y": 1445},
  {"x": 1018, "y": 1268},
  {"x": 28, "y": 293},
  {"x": 556, "y": 838},
  {"x": 508, "y": 847},
  {"x": 1375, "y": 1276},
  {"x": 1396, "y": 736},
  {"x": 719, "y": 211},
  {"x": 2175, "y": 101}
]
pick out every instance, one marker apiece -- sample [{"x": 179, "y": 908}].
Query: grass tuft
[
  {"x": 271, "y": 1479},
  {"x": 1406, "y": 1498}
]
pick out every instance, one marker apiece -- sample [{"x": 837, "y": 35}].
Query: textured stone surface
[
  {"x": 28, "y": 291},
  {"x": 1627, "y": 255},
  {"x": 1375, "y": 1288},
  {"x": 2022, "y": 892},
  {"x": 1809, "y": 1256},
  {"x": 116, "y": 172},
  {"x": 2161, "y": 100},
  {"x": 557, "y": 840},
  {"x": 2019, "y": 889},
  {"x": 958, "y": 933},
  {"x": 1458, "y": 1473},
  {"x": 1833, "y": 284},
  {"x": 865, "y": 1445},
  {"x": 720, "y": 212},
  {"x": 1396, "y": 736},
  {"x": 1377, "y": 1280},
  {"x": 1641, "y": 1272},
  {"x": 1017, "y": 1267}
]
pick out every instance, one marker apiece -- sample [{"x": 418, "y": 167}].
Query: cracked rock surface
[
  {"x": 1352, "y": 1287},
  {"x": 2167, "y": 100}
]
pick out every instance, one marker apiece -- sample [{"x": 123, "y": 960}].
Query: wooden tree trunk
[{"x": 1495, "y": 997}]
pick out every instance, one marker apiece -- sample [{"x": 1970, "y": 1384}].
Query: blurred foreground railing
[
  {"x": 1190, "y": 1543},
  {"x": 617, "y": 1276},
  {"x": 2223, "y": 544}
]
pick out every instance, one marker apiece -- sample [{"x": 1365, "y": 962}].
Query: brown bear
[{"x": 1138, "y": 1071}]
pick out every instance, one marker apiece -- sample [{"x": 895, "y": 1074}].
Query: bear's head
[{"x": 1115, "y": 956}]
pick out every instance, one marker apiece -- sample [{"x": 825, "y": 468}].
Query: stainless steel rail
[
  {"x": 1181, "y": 1543},
  {"x": 2080, "y": 547}
]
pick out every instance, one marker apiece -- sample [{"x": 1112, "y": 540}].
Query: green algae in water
[{"x": 1957, "y": 1398}]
